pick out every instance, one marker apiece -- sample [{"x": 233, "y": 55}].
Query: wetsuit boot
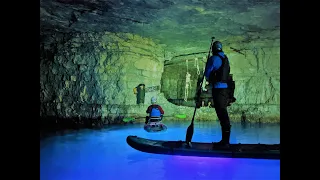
[{"x": 224, "y": 143}]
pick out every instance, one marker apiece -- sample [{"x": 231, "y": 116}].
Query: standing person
[{"x": 217, "y": 73}]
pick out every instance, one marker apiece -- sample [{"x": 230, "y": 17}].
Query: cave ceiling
[{"x": 184, "y": 26}]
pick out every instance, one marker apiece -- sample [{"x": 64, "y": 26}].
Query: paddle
[{"x": 191, "y": 126}]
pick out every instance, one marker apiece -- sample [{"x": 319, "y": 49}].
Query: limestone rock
[
  {"x": 94, "y": 53},
  {"x": 102, "y": 77}
]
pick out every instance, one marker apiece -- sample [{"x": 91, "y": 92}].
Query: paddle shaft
[
  {"x": 200, "y": 86},
  {"x": 191, "y": 126}
]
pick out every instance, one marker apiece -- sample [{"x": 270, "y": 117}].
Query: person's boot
[{"x": 224, "y": 143}]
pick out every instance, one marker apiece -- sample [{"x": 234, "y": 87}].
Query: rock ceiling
[{"x": 183, "y": 25}]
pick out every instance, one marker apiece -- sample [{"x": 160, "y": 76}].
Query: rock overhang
[{"x": 183, "y": 26}]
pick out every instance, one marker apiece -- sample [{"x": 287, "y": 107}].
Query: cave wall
[
  {"x": 256, "y": 71},
  {"x": 258, "y": 80},
  {"x": 92, "y": 75},
  {"x": 174, "y": 78}
]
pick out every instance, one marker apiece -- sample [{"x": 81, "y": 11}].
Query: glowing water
[{"x": 105, "y": 155}]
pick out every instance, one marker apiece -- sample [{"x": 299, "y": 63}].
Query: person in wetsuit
[
  {"x": 154, "y": 110},
  {"x": 217, "y": 73}
]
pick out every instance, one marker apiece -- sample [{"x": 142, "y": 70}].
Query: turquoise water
[{"x": 105, "y": 155}]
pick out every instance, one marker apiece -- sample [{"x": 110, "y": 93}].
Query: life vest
[
  {"x": 155, "y": 112},
  {"x": 222, "y": 74}
]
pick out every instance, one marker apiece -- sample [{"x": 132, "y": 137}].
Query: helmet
[
  {"x": 217, "y": 46},
  {"x": 153, "y": 100}
]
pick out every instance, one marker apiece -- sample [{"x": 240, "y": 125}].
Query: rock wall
[
  {"x": 92, "y": 75},
  {"x": 255, "y": 68},
  {"x": 258, "y": 79},
  {"x": 175, "y": 84}
]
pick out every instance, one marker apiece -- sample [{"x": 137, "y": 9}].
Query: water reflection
[{"x": 104, "y": 154}]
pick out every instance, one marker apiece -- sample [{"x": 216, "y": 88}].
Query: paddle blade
[{"x": 189, "y": 133}]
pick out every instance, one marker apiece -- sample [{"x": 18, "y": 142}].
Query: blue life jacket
[{"x": 155, "y": 112}]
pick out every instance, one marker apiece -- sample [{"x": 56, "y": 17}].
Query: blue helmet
[{"x": 217, "y": 46}]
